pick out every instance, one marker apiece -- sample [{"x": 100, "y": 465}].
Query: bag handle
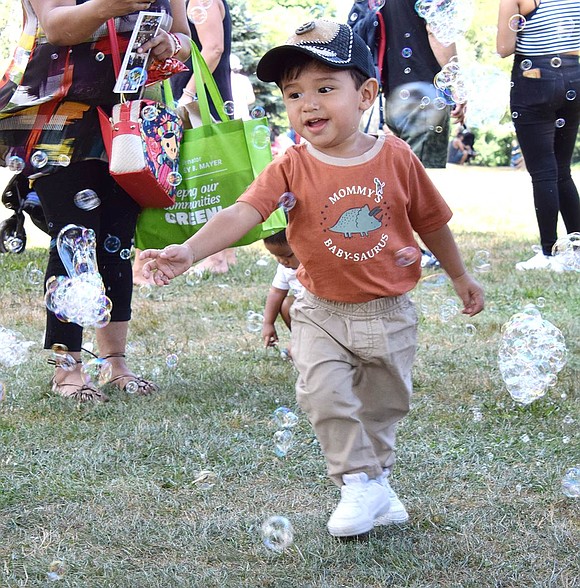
[{"x": 205, "y": 84}]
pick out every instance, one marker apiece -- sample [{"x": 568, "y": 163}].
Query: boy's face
[
  {"x": 325, "y": 108},
  {"x": 283, "y": 254}
]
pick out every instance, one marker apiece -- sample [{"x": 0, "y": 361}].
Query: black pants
[
  {"x": 116, "y": 216},
  {"x": 546, "y": 114}
]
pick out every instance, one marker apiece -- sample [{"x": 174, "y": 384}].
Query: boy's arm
[
  {"x": 271, "y": 311},
  {"x": 223, "y": 229},
  {"x": 442, "y": 244}
]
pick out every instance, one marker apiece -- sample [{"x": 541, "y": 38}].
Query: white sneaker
[
  {"x": 362, "y": 501},
  {"x": 397, "y": 513},
  {"x": 540, "y": 262}
]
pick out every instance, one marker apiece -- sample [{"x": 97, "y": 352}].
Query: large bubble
[
  {"x": 531, "y": 353},
  {"x": 13, "y": 348},
  {"x": 567, "y": 251},
  {"x": 81, "y": 297}
]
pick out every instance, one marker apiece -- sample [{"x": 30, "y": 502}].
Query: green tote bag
[{"x": 217, "y": 162}]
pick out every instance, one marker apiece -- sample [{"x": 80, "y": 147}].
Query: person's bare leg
[{"x": 112, "y": 342}]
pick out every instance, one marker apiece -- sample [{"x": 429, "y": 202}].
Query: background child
[
  {"x": 359, "y": 200},
  {"x": 279, "y": 300}
]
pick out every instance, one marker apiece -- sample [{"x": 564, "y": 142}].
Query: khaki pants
[{"x": 354, "y": 363}]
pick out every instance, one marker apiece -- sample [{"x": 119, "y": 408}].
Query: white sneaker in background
[
  {"x": 362, "y": 501},
  {"x": 397, "y": 513},
  {"x": 540, "y": 262}
]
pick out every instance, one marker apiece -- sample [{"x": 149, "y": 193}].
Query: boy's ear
[{"x": 368, "y": 93}]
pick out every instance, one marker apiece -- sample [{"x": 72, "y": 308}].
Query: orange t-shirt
[{"x": 353, "y": 217}]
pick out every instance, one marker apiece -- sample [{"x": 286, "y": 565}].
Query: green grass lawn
[{"x": 114, "y": 490}]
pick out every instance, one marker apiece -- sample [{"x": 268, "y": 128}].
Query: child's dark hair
[
  {"x": 277, "y": 238},
  {"x": 296, "y": 61}
]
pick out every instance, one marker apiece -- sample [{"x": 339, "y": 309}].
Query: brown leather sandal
[
  {"x": 81, "y": 393},
  {"x": 134, "y": 384},
  {"x": 84, "y": 393}
]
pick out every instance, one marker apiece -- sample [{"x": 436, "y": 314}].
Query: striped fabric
[{"x": 554, "y": 27}]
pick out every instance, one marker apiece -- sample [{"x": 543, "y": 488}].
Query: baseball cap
[{"x": 331, "y": 43}]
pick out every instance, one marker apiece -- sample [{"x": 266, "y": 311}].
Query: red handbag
[{"x": 142, "y": 139}]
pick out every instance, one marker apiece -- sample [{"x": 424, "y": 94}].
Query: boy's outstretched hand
[
  {"x": 470, "y": 292},
  {"x": 166, "y": 264}
]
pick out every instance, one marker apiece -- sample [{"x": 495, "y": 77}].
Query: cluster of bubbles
[
  {"x": 13, "y": 348},
  {"x": 489, "y": 107},
  {"x": 567, "y": 251},
  {"x": 277, "y": 533},
  {"x": 571, "y": 482},
  {"x": 448, "y": 19},
  {"x": 451, "y": 84},
  {"x": 285, "y": 420},
  {"x": 532, "y": 351},
  {"x": 431, "y": 101},
  {"x": 79, "y": 298}
]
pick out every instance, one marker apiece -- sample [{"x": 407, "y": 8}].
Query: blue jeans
[{"x": 545, "y": 106}]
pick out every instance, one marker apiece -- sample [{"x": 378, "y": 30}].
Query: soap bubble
[
  {"x": 63, "y": 160},
  {"x": 97, "y": 370},
  {"x": 229, "y": 107},
  {"x": 197, "y": 15},
  {"x": 131, "y": 387},
  {"x": 560, "y": 122},
  {"x": 556, "y": 62},
  {"x": 407, "y": 52},
  {"x": 571, "y": 95},
  {"x": 567, "y": 251},
  {"x": 79, "y": 298},
  {"x": 39, "y": 159},
  {"x": 205, "y": 479},
  {"x": 254, "y": 321},
  {"x": 125, "y": 254},
  {"x": 174, "y": 178},
  {"x": 258, "y": 112},
  {"x": 571, "y": 482},
  {"x": 526, "y": 64},
  {"x": 531, "y": 353},
  {"x": 283, "y": 441},
  {"x": 149, "y": 112},
  {"x": 407, "y": 256},
  {"x": 277, "y": 533},
  {"x": 112, "y": 244},
  {"x": 87, "y": 199},
  {"x": 137, "y": 76},
  {"x": 449, "y": 20},
  {"x": 287, "y": 201},
  {"x": 15, "y": 163},
  {"x": 13, "y": 348},
  {"x": 56, "y": 570},
  {"x": 285, "y": 418},
  {"x": 171, "y": 360},
  {"x": 100, "y": 56},
  {"x": 517, "y": 22},
  {"x": 261, "y": 137},
  {"x": 481, "y": 261},
  {"x": 34, "y": 276}
]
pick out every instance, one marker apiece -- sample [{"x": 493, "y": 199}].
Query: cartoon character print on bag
[
  {"x": 162, "y": 135},
  {"x": 359, "y": 224}
]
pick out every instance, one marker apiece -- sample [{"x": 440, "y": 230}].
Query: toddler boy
[{"x": 358, "y": 201}]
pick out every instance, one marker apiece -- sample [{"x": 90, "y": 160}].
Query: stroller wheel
[{"x": 12, "y": 236}]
